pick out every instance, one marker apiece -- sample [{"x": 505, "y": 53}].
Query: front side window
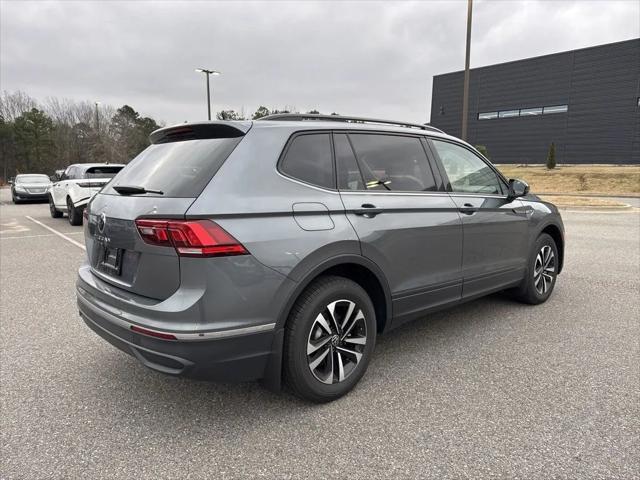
[
  {"x": 467, "y": 172},
  {"x": 309, "y": 159},
  {"x": 393, "y": 162}
]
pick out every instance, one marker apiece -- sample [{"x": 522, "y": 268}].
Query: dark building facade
[{"x": 586, "y": 101}]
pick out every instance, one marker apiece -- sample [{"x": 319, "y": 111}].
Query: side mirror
[{"x": 518, "y": 188}]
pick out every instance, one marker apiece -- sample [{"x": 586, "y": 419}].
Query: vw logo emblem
[{"x": 102, "y": 219}]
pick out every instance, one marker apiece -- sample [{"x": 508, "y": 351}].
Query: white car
[{"x": 77, "y": 185}]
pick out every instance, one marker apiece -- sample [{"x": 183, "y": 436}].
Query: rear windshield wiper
[{"x": 134, "y": 190}]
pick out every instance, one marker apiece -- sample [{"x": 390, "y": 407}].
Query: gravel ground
[{"x": 491, "y": 389}]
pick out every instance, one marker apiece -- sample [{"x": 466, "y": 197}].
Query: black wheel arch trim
[
  {"x": 560, "y": 246},
  {"x": 323, "y": 266}
]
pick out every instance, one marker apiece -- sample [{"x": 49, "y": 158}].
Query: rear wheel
[
  {"x": 329, "y": 339},
  {"x": 541, "y": 276},
  {"x": 74, "y": 214},
  {"x": 55, "y": 213}
]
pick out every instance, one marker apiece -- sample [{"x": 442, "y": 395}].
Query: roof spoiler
[{"x": 199, "y": 131}]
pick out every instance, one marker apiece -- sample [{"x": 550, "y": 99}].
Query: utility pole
[
  {"x": 465, "y": 93},
  {"x": 208, "y": 72}
]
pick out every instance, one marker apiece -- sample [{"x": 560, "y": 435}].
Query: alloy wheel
[
  {"x": 544, "y": 270},
  {"x": 336, "y": 341}
]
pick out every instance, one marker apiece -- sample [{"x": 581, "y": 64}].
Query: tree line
[{"x": 41, "y": 137}]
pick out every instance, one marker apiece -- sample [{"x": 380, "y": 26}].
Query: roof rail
[{"x": 296, "y": 117}]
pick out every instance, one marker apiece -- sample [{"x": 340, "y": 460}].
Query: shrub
[
  {"x": 483, "y": 150},
  {"x": 551, "y": 157}
]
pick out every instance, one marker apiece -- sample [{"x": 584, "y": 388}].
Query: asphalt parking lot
[{"x": 489, "y": 389}]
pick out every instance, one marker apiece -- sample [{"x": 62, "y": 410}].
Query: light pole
[
  {"x": 465, "y": 93},
  {"x": 97, "y": 117},
  {"x": 208, "y": 72}
]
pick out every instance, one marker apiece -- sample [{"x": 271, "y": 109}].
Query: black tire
[
  {"x": 55, "y": 213},
  {"x": 14, "y": 199},
  {"x": 303, "y": 322},
  {"x": 537, "y": 288},
  {"x": 74, "y": 214}
]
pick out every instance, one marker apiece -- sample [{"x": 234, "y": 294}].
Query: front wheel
[
  {"x": 74, "y": 214},
  {"x": 329, "y": 339},
  {"x": 541, "y": 276},
  {"x": 55, "y": 213}
]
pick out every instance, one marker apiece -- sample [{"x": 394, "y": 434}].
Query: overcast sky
[{"x": 359, "y": 58}]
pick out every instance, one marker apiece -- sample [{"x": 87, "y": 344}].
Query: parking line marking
[{"x": 61, "y": 235}]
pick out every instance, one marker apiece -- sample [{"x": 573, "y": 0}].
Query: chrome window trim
[{"x": 396, "y": 193}]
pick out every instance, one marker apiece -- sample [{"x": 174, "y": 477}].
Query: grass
[
  {"x": 565, "y": 201},
  {"x": 579, "y": 179}
]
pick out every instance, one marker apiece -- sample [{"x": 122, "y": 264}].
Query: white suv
[{"x": 77, "y": 185}]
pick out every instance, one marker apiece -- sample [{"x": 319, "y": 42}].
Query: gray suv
[{"x": 279, "y": 249}]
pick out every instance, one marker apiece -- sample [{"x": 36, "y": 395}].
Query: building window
[
  {"x": 555, "y": 109},
  {"x": 526, "y": 112},
  {"x": 487, "y": 115},
  {"x": 530, "y": 111}
]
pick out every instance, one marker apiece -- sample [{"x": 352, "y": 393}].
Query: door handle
[
  {"x": 468, "y": 209},
  {"x": 368, "y": 210}
]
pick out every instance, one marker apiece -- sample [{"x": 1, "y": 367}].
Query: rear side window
[
  {"x": 178, "y": 169},
  {"x": 349, "y": 176},
  {"x": 393, "y": 162},
  {"x": 309, "y": 159}
]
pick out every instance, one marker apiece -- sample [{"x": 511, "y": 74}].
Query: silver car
[
  {"x": 32, "y": 186},
  {"x": 280, "y": 249}
]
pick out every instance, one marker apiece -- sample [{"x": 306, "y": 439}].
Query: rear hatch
[{"x": 160, "y": 183}]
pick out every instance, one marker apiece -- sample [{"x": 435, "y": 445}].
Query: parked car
[
  {"x": 32, "y": 186},
  {"x": 280, "y": 248},
  {"x": 76, "y": 186}
]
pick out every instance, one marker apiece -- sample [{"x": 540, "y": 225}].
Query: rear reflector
[
  {"x": 190, "y": 238},
  {"x": 151, "y": 333}
]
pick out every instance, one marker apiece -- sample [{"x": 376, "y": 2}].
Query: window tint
[
  {"x": 392, "y": 162},
  {"x": 179, "y": 169},
  {"x": 102, "y": 172},
  {"x": 466, "y": 171},
  {"x": 349, "y": 176},
  {"x": 308, "y": 158}
]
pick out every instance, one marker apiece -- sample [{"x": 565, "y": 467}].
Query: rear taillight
[{"x": 190, "y": 238}]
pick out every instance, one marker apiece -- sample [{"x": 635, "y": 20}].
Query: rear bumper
[{"x": 227, "y": 355}]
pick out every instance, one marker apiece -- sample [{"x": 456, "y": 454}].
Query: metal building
[{"x": 586, "y": 101}]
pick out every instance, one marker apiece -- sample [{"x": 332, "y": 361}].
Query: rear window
[
  {"x": 102, "y": 172},
  {"x": 179, "y": 169},
  {"x": 32, "y": 179}
]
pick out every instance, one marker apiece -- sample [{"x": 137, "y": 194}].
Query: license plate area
[{"x": 111, "y": 261}]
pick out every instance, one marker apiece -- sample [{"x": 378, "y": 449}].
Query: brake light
[{"x": 190, "y": 238}]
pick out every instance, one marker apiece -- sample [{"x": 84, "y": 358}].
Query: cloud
[{"x": 360, "y": 58}]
